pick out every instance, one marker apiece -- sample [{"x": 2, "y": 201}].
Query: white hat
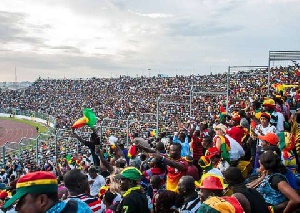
[{"x": 221, "y": 126}]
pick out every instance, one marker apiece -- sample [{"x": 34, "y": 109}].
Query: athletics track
[{"x": 13, "y": 131}]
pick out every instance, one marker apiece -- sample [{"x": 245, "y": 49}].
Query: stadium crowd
[{"x": 202, "y": 159}]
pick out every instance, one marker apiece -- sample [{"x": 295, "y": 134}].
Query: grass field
[{"x": 31, "y": 123}]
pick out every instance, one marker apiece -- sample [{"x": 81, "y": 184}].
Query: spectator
[
  {"x": 273, "y": 186},
  {"x": 182, "y": 139},
  {"x": 157, "y": 188},
  {"x": 236, "y": 131},
  {"x": 62, "y": 190},
  {"x": 133, "y": 198},
  {"x": 256, "y": 202},
  {"x": 262, "y": 129},
  {"x": 37, "y": 192},
  {"x": 207, "y": 142},
  {"x": 78, "y": 187},
  {"x": 276, "y": 118},
  {"x": 176, "y": 165},
  {"x": 210, "y": 185},
  {"x": 196, "y": 144},
  {"x": 221, "y": 142},
  {"x": 192, "y": 170},
  {"x": 110, "y": 201},
  {"x": 156, "y": 168},
  {"x": 269, "y": 139},
  {"x": 169, "y": 202},
  {"x": 186, "y": 188},
  {"x": 94, "y": 140},
  {"x": 95, "y": 180}
]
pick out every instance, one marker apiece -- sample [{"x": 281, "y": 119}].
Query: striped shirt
[
  {"x": 93, "y": 202},
  {"x": 191, "y": 206},
  {"x": 197, "y": 146}
]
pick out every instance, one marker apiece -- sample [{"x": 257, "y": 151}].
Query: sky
[{"x": 108, "y": 38}]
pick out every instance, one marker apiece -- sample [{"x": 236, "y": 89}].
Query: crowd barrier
[{"x": 13, "y": 149}]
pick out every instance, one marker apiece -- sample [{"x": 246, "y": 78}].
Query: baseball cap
[
  {"x": 270, "y": 137},
  {"x": 36, "y": 182},
  {"x": 130, "y": 173}
]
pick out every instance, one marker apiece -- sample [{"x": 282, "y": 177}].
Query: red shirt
[
  {"x": 174, "y": 175},
  {"x": 297, "y": 97},
  {"x": 193, "y": 171},
  {"x": 197, "y": 147},
  {"x": 155, "y": 171},
  {"x": 237, "y": 133},
  {"x": 93, "y": 202}
]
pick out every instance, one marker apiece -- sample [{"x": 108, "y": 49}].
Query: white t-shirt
[
  {"x": 280, "y": 122},
  {"x": 98, "y": 182},
  {"x": 260, "y": 130}
]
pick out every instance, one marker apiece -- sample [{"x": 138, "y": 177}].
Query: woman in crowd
[
  {"x": 273, "y": 186},
  {"x": 221, "y": 142}
]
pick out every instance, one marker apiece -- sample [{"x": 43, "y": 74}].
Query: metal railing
[
  {"x": 29, "y": 113},
  {"x": 21, "y": 150}
]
